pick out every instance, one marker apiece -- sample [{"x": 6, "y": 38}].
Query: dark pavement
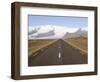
[{"x": 58, "y": 53}]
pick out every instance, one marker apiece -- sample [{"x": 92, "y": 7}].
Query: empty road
[{"x": 58, "y": 53}]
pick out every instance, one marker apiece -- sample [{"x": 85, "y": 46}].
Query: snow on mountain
[
  {"x": 49, "y": 31},
  {"x": 79, "y": 33},
  {"x": 32, "y": 30}
]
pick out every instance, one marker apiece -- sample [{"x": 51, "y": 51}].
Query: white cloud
[
  {"x": 45, "y": 28},
  {"x": 60, "y": 31}
]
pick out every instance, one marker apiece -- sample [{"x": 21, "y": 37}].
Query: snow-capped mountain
[
  {"x": 46, "y": 34},
  {"x": 32, "y": 30},
  {"x": 50, "y": 32},
  {"x": 79, "y": 33}
]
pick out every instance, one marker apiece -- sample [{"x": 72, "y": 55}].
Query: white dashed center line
[{"x": 59, "y": 55}]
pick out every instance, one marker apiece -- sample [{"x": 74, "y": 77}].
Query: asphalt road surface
[{"x": 58, "y": 53}]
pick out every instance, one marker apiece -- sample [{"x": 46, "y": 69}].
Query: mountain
[
  {"x": 47, "y": 34},
  {"x": 79, "y": 33},
  {"x": 41, "y": 32},
  {"x": 54, "y": 32},
  {"x": 33, "y": 30}
]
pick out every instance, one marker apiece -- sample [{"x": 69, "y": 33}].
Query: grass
[
  {"x": 79, "y": 42},
  {"x": 35, "y": 45}
]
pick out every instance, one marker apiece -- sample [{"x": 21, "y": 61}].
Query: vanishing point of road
[{"x": 58, "y": 53}]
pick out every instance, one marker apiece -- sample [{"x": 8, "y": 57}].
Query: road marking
[
  {"x": 60, "y": 58},
  {"x": 59, "y": 55}
]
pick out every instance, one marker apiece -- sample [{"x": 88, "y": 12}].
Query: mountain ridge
[{"x": 55, "y": 32}]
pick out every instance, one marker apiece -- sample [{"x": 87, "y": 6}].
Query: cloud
[{"x": 60, "y": 31}]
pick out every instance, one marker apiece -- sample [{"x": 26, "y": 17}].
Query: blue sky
[{"x": 68, "y": 21}]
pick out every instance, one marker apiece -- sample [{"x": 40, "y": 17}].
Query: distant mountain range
[
  {"x": 47, "y": 34},
  {"x": 32, "y": 31},
  {"x": 55, "y": 32},
  {"x": 78, "y": 33}
]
